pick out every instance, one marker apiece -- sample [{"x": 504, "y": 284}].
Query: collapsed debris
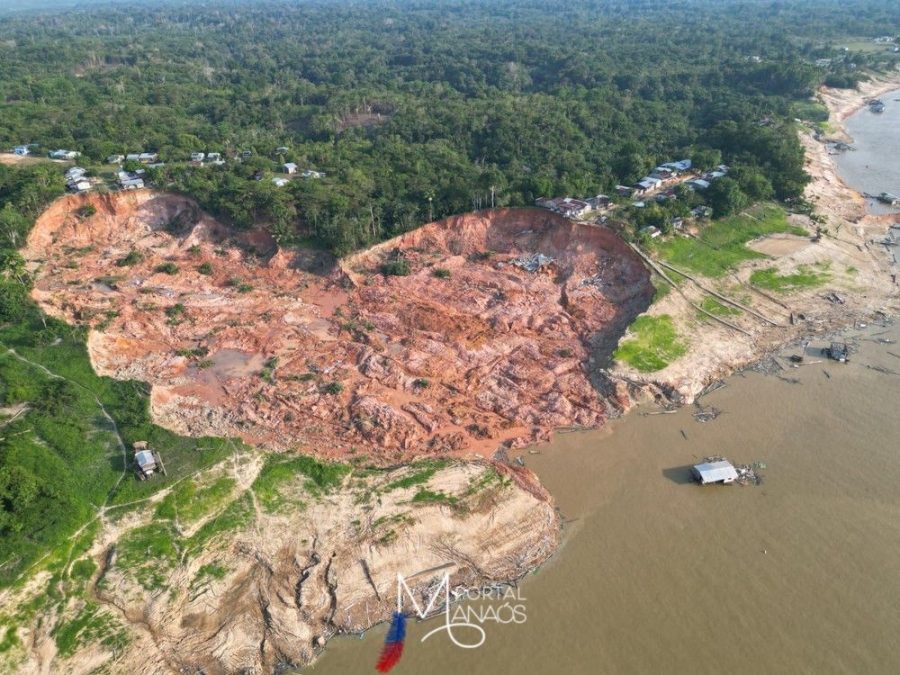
[
  {"x": 706, "y": 413},
  {"x": 837, "y": 351},
  {"x": 534, "y": 262}
]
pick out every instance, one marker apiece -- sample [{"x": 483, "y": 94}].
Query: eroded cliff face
[
  {"x": 266, "y": 561},
  {"x": 296, "y": 350}
]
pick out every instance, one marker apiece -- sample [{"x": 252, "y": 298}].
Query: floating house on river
[{"x": 721, "y": 471}]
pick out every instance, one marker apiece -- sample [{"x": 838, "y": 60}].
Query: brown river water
[{"x": 800, "y": 574}]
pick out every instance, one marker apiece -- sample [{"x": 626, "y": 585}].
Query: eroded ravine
[{"x": 292, "y": 350}]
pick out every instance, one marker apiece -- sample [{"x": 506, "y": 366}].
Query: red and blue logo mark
[{"x": 393, "y": 644}]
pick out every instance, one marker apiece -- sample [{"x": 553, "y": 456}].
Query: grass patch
[
  {"x": 422, "y": 474},
  {"x": 424, "y": 496},
  {"x": 660, "y": 288},
  {"x": 211, "y": 571},
  {"x": 189, "y": 502},
  {"x": 721, "y": 245},
  {"x": 804, "y": 277},
  {"x": 89, "y": 625},
  {"x": 716, "y": 308},
  {"x": 148, "y": 553},
  {"x": 236, "y": 516},
  {"x": 320, "y": 478},
  {"x": 653, "y": 344}
]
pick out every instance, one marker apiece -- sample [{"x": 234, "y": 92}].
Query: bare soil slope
[{"x": 292, "y": 350}]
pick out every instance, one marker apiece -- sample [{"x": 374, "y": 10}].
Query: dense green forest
[{"x": 417, "y": 109}]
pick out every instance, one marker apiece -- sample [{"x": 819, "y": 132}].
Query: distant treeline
[{"x": 418, "y": 109}]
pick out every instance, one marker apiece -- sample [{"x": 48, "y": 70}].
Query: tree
[{"x": 725, "y": 197}]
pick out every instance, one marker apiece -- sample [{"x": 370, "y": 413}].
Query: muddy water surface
[
  {"x": 872, "y": 166},
  {"x": 799, "y": 574}
]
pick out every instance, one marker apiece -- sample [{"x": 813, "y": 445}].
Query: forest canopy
[{"x": 415, "y": 109}]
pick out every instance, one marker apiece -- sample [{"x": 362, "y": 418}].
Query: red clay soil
[{"x": 288, "y": 349}]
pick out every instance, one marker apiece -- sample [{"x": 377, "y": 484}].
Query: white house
[
  {"x": 715, "y": 472},
  {"x": 309, "y": 173},
  {"x": 75, "y": 173},
  {"x": 646, "y": 184},
  {"x": 143, "y": 157},
  {"x": 197, "y": 156},
  {"x": 279, "y": 181},
  {"x": 289, "y": 168},
  {"x": 64, "y": 154},
  {"x": 115, "y": 159},
  {"x": 21, "y": 150}
]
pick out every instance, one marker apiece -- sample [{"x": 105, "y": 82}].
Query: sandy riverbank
[
  {"x": 842, "y": 103},
  {"x": 858, "y": 270}
]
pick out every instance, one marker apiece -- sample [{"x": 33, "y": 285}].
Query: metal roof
[
  {"x": 714, "y": 472},
  {"x": 144, "y": 458}
]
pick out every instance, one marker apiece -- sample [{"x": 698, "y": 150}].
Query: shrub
[
  {"x": 205, "y": 268},
  {"x": 332, "y": 388},
  {"x": 133, "y": 258},
  {"x": 396, "y": 268},
  {"x": 441, "y": 273},
  {"x": 166, "y": 268},
  {"x": 86, "y": 211}
]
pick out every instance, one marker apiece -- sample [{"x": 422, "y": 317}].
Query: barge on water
[
  {"x": 876, "y": 106},
  {"x": 889, "y": 199}
]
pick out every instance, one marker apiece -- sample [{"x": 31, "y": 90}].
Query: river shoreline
[{"x": 857, "y": 269}]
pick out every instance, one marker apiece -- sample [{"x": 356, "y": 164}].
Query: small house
[
  {"x": 214, "y": 157},
  {"x": 75, "y": 173},
  {"x": 309, "y": 173},
  {"x": 709, "y": 473},
  {"x": 663, "y": 174},
  {"x": 599, "y": 202},
  {"x": 64, "y": 154},
  {"x": 282, "y": 150},
  {"x": 246, "y": 153},
  {"x": 21, "y": 150},
  {"x": 646, "y": 184},
  {"x": 147, "y": 462},
  {"x": 698, "y": 184},
  {"x": 280, "y": 181},
  {"x": 701, "y": 212},
  {"x": 624, "y": 190},
  {"x": 130, "y": 181},
  {"x": 650, "y": 231},
  {"x": 115, "y": 159},
  {"x": 80, "y": 185},
  {"x": 197, "y": 156},
  {"x": 289, "y": 168}
]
